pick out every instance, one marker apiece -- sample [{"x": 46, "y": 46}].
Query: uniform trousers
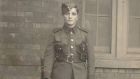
[{"x": 64, "y": 70}]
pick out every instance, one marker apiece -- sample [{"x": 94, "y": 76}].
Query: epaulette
[
  {"x": 57, "y": 30},
  {"x": 83, "y": 29}
]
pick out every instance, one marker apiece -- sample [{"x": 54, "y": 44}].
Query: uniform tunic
[{"x": 68, "y": 54}]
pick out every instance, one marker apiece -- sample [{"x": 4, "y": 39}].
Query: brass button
[
  {"x": 71, "y": 32},
  {"x": 71, "y": 47},
  {"x": 71, "y": 54},
  {"x": 71, "y": 39}
]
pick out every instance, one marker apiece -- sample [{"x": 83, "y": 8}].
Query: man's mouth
[{"x": 69, "y": 20}]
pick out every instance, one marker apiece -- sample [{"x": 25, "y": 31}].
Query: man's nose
[{"x": 70, "y": 16}]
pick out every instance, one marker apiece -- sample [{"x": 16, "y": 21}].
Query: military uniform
[{"x": 67, "y": 56}]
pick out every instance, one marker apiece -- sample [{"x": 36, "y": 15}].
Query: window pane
[
  {"x": 105, "y": 7},
  {"x": 104, "y": 26},
  {"x": 102, "y": 10},
  {"x": 134, "y": 7},
  {"x": 134, "y": 33},
  {"x": 104, "y": 31},
  {"x": 91, "y": 6},
  {"x": 134, "y": 24}
]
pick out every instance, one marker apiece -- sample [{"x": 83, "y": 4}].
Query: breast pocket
[
  {"x": 59, "y": 48},
  {"x": 82, "y": 50}
]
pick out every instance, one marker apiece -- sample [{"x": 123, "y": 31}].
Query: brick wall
[
  {"x": 112, "y": 73},
  {"x": 25, "y": 26}
]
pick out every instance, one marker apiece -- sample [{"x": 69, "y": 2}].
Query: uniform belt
[{"x": 69, "y": 59}]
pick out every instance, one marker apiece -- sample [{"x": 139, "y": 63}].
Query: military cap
[{"x": 67, "y": 6}]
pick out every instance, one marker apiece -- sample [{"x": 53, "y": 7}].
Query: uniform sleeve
[
  {"x": 49, "y": 57},
  {"x": 91, "y": 57}
]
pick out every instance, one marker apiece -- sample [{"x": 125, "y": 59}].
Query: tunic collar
[{"x": 68, "y": 30}]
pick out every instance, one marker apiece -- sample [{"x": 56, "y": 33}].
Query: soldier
[{"x": 68, "y": 56}]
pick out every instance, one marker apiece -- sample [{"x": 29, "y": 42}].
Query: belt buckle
[{"x": 70, "y": 59}]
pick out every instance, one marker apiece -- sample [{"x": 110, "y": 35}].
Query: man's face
[{"x": 71, "y": 17}]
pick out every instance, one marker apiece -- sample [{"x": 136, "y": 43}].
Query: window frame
[{"x": 118, "y": 58}]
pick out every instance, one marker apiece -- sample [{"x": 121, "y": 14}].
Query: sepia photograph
[{"x": 69, "y": 39}]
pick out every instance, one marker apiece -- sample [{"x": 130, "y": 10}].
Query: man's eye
[{"x": 67, "y": 13}]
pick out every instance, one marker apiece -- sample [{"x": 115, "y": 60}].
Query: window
[
  {"x": 103, "y": 22},
  {"x": 101, "y": 17},
  {"x": 116, "y": 26}
]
